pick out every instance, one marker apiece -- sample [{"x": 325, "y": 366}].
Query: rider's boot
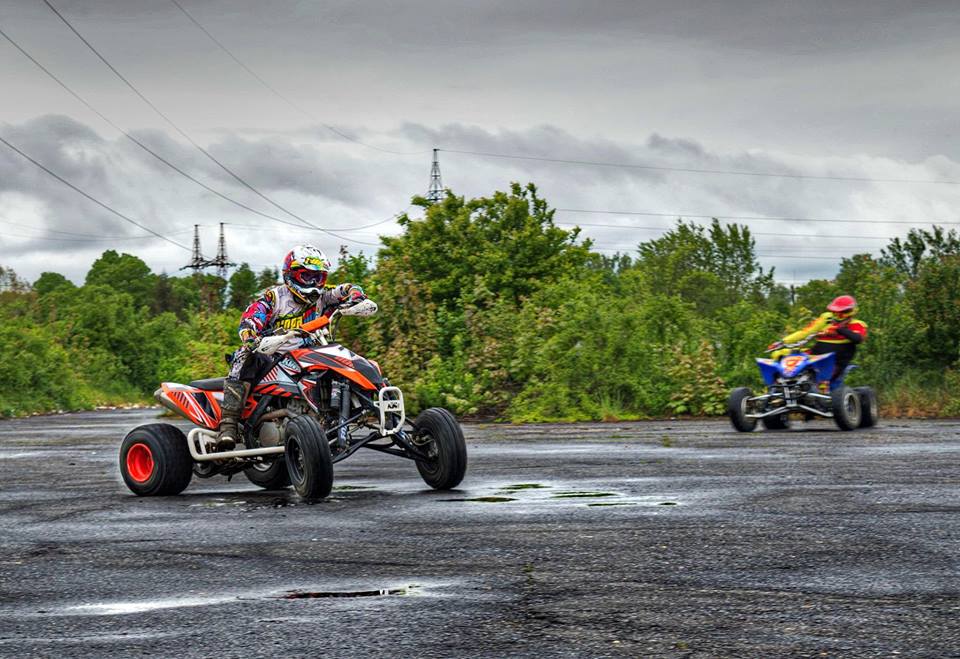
[{"x": 234, "y": 394}]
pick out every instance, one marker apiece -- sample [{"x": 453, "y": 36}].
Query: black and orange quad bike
[{"x": 319, "y": 404}]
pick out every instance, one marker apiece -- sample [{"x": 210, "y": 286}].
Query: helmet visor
[{"x": 309, "y": 278}]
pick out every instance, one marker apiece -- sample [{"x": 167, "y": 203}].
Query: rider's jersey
[
  {"x": 279, "y": 307},
  {"x": 825, "y": 327}
]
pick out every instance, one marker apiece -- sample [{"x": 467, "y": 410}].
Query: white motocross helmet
[{"x": 305, "y": 272}]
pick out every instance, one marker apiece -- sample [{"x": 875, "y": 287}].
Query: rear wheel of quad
[
  {"x": 845, "y": 405},
  {"x": 155, "y": 460},
  {"x": 737, "y": 409},
  {"x": 307, "y": 458},
  {"x": 869, "y": 409},
  {"x": 439, "y": 435},
  {"x": 271, "y": 475},
  {"x": 777, "y": 422}
]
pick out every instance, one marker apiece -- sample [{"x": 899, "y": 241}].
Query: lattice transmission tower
[
  {"x": 435, "y": 192},
  {"x": 197, "y": 262},
  {"x": 220, "y": 262}
]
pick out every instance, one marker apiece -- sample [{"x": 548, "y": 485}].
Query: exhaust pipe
[{"x": 166, "y": 402}]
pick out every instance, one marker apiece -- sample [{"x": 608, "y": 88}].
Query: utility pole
[{"x": 435, "y": 192}]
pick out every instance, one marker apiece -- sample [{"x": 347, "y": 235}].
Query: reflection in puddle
[{"x": 121, "y": 608}]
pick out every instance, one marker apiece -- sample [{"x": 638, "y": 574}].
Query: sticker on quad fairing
[
  {"x": 201, "y": 407},
  {"x": 289, "y": 364},
  {"x": 277, "y": 383}
]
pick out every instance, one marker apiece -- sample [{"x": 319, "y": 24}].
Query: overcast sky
[{"x": 850, "y": 89}]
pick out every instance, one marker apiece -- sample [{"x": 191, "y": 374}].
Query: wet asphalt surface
[{"x": 677, "y": 538}]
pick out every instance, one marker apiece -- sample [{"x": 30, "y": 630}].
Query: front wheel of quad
[
  {"x": 307, "y": 458},
  {"x": 155, "y": 460},
  {"x": 440, "y": 436},
  {"x": 869, "y": 409},
  {"x": 269, "y": 475},
  {"x": 737, "y": 409},
  {"x": 845, "y": 405},
  {"x": 777, "y": 422}
]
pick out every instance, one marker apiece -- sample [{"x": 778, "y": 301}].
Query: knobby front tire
[{"x": 446, "y": 447}]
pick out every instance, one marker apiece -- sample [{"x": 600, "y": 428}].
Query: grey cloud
[{"x": 344, "y": 185}]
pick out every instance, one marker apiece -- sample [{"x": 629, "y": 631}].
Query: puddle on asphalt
[
  {"x": 322, "y": 594},
  {"x": 483, "y": 499},
  {"x": 524, "y": 486},
  {"x": 122, "y": 608},
  {"x": 143, "y": 606},
  {"x": 527, "y": 494}
]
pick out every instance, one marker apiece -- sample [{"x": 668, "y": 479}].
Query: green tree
[
  {"x": 125, "y": 273},
  {"x": 711, "y": 267},
  {"x": 268, "y": 277},
  {"x": 506, "y": 243},
  {"x": 919, "y": 246},
  {"x": 243, "y": 287},
  {"x": 934, "y": 298},
  {"x": 52, "y": 281}
]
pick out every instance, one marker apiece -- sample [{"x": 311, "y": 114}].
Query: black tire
[
  {"x": 777, "y": 422},
  {"x": 737, "y": 409},
  {"x": 155, "y": 460},
  {"x": 269, "y": 475},
  {"x": 845, "y": 405},
  {"x": 307, "y": 458},
  {"x": 869, "y": 408},
  {"x": 446, "y": 447}
]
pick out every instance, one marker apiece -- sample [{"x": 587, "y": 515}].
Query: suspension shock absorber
[{"x": 340, "y": 396}]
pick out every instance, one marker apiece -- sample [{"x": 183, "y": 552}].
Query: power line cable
[
  {"x": 177, "y": 128},
  {"x": 146, "y": 148},
  {"x": 110, "y": 239},
  {"x": 664, "y": 168},
  {"x": 752, "y": 233},
  {"x": 282, "y": 97},
  {"x": 137, "y": 142},
  {"x": 92, "y": 198},
  {"x": 758, "y": 218}
]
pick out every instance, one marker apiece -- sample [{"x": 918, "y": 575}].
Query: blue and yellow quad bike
[{"x": 801, "y": 383}]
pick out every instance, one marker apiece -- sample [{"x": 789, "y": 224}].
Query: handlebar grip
[{"x": 315, "y": 324}]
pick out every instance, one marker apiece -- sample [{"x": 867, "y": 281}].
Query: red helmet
[{"x": 844, "y": 306}]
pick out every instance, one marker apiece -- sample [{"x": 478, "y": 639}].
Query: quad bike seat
[{"x": 210, "y": 384}]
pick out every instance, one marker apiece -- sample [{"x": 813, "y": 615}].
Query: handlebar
[
  {"x": 321, "y": 329},
  {"x": 780, "y": 345}
]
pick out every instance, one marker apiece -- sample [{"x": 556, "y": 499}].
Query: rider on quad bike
[
  {"x": 302, "y": 297},
  {"x": 836, "y": 331}
]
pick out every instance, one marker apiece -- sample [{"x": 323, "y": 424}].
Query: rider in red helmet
[
  {"x": 837, "y": 330},
  {"x": 302, "y": 297}
]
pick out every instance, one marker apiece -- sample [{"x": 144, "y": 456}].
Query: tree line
[{"x": 491, "y": 309}]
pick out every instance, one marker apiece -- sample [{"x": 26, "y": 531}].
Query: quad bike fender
[
  {"x": 200, "y": 407},
  {"x": 196, "y": 405}
]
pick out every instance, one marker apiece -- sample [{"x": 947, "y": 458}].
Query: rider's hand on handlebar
[
  {"x": 354, "y": 296},
  {"x": 250, "y": 340}
]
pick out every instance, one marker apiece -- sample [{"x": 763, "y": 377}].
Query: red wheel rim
[{"x": 140, "y": 463}]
